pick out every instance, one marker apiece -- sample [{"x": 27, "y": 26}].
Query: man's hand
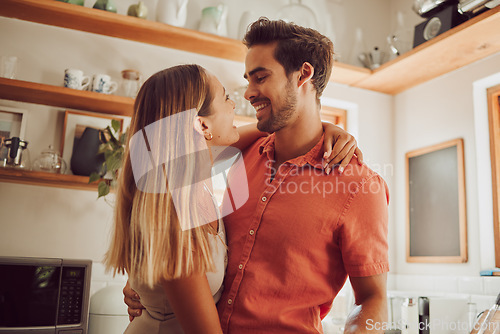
[
  {"x": 132, "y": 300},
  {"x": 370, "y": 313}
]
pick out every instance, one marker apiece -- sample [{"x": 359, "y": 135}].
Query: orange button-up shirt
[{"x": 293, "y": 243}]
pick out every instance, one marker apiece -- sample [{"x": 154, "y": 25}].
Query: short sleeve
[{"x": 363, "y": 234}]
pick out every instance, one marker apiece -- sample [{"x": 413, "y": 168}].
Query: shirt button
[
  {"x": 240, "y": 266},
  {"x": 264, "y": 199},
  {"x": 252, "y": 232},
  {"x": 229, "y": 301}
]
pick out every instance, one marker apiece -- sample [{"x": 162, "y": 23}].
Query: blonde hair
[{"x": 147, "y": 241}]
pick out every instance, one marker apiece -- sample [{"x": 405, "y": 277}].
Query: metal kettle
[{"x": 15, "y": 147}]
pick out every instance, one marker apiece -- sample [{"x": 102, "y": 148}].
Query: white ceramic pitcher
[
  {"x": 173, "y": 12},
  {"x": 214, "y": 20}
]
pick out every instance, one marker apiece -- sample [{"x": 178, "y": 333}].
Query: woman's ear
[
  {"x": 306, "y": 73},
  {"x": 200, "y": 125}
]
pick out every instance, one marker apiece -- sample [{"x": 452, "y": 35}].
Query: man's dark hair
[{"x": 295, "y": 45}]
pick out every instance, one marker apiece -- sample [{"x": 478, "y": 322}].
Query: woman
[{"x": 172, "y": 243}]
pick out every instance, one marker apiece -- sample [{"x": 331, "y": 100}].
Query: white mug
[
  {"x": 75, "y": 79},
  {"x": 102, "y": 83}
]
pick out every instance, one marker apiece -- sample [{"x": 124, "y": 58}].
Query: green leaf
[
  {"x": 102, "y": 189},
  {"x": 115, "y": 125},
  {"x": 108, "y": 154},
  {"x": 113, "y": 163},
  {"x": 123, "y": 137},
  {"x": 112, "y": 136},
  {"x": 94, "y": 177},
  {"x": 103, "y": 148}
]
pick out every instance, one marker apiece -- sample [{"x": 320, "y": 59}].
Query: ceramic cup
[
  {"x": 75, "y": 79},
  {"x": 102, "y": 83}
]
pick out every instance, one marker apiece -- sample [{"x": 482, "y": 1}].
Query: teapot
[
  {"x": 173, "y": 12},
  {"x": 50, "y": 161},
  {"x": 214, "y": 20}
]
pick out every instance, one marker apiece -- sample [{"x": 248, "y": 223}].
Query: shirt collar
[{"x": 314, "y": 157}]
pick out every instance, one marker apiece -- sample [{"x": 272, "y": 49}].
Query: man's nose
[{"x": 250, "y": 92}]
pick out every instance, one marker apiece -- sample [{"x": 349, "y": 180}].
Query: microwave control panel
[{"x": 71, "y": 297}]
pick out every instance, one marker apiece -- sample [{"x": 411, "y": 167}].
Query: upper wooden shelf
[
  {"x": 460, "y": 46},
  {"x": 101, "y": 22},
  {"x": 473, "y": 40},
  {"x": 31, "y": 92}
]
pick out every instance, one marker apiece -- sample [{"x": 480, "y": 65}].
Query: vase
[
  {"x": 107, "y": 5},
  {"x": 173, "y": 12},
  {"x": 85, "y": 160},
  {"x": 214, "y": 20},
  {"x": 138, "y": 10}
]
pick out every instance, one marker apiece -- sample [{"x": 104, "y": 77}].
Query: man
[{"x": 302, "y": 231}]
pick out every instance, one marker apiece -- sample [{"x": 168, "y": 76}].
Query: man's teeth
[{"x": 260, "y": 106}]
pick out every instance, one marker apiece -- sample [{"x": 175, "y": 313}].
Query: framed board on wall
[{"x": 436, "y": 228}]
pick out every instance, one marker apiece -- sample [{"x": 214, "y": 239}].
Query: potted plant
[{"x": 113, "y": 148}]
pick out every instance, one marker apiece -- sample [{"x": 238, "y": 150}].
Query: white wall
[{"x": 434, "y": 112}]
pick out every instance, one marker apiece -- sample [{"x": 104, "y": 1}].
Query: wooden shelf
[
  {"x": 37, "y": 93},
  {"x": 473, "y": 40},
  {"x": 31, "y": 92},
  {"x": 11, "y": 175},
  {"x": 460, "y": 46},
  {"x": 101, "y": 22}
]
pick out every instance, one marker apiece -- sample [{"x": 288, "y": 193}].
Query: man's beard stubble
[{"x": 278, "y": 119}]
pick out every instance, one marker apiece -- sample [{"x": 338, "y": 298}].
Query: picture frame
[
  {"x": 75, "y": 123},
  {"x": 436, "y": 229},
  {"x": 12, "y": 124}
]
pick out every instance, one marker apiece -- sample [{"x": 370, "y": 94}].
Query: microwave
[{"x": 42, "y": 295}]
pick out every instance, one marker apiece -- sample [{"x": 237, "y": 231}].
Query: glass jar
[
  {"x": 50, "y": 161},
  {"x": 131, "y": 82}
]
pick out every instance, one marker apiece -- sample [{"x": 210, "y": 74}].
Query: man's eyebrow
[{"x": 252, "y": 72}]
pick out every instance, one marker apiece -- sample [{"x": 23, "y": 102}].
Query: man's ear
[{"x": 306, "y": 73}]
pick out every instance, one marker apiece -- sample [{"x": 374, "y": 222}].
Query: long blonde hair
[{"x": 147, "y": 241}]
